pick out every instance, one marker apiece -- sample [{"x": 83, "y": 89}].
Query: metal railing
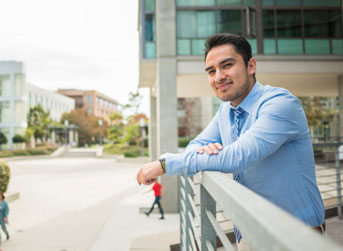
[
  {"x": 328, "y": 158},
  {"x": 264, "y": 225}
]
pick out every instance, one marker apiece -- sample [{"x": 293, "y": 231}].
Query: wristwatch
[{"x": 163, "y": 164}]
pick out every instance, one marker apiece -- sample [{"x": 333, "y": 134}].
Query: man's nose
[{"x": 220, "y": 76}]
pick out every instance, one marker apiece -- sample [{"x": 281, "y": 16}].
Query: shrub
[
  {"x": 132, "y": 153},
  {"x": 18, "y": 139},
  {"x": 5, "y": 175},
  {"x": 20, "y": 153},
  {"x": 183, "y": 142},
  {"x": 6, "y": 154},
  {"x": 37, "y": 151}
]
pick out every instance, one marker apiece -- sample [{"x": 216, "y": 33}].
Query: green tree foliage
[
  {"x": 89, "y": 129},
  {"x": 39, "y": 120},
  {"x": 5, "y": 175},
  {"x": 3, "y": 139},
  {"x": 132, "y": 130},
  {"x": 115, "y": 132},
  {"x": 18, "y": 139},
  {"x": 317, "y": 115}
]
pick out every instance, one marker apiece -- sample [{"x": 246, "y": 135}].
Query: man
[
  {"x": 259, "y": 134},
  {"x": 157, "y": 188}
]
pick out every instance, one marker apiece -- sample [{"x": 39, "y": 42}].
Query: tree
[
  {"x": 135, "y": 100},
  {"x": 318, "y": 117},
  {"x": 116, "y": 131},
  {"x": 39, "y": 120},
  {"x": 3, "y": 139},
  {"x": 89, "y": 129}
]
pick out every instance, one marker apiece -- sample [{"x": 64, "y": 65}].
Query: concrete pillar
[
  {"x": 53, "y": 137},
  {"x": 166, "y": 95},
  {"x": 340, "y": 96},
  {"x": 76, "y": 138},
  {"x": 71, "y": 136},
  {"x": 152, "y": 129}
]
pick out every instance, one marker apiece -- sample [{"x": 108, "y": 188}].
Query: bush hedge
[
  {"x": 18, "y": 139},
  {"x": 5, "y": 175},
  {"x": 26, "y": 152},
  {"x": 183, "y": 142}
]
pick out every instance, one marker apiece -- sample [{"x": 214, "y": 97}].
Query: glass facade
[
  {"x": 149, "y": 37},
  {"x": 289, "y": 27},
  {"x": 19, "y": 85}
]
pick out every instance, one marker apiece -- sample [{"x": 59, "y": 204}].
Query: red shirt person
[{"x": 157, "y": 188}]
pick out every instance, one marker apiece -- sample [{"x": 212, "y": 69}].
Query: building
[
  {"x": 298, "y": 45},
  {"x": 17, "y": 96},
  {"x": 93, "y": 102}
]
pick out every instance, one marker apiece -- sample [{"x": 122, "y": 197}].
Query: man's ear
[{"x": 252, "y": 66}]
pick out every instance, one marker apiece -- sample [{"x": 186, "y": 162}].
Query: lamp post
[
  {"x": 142, "y": 126},
  {"x": 100, "y": 125},
  {"x": 66, "y": 123}
]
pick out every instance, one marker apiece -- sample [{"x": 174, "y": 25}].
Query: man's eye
[
  {"x": 211, "y": 72},
  {"x": 227, "y": 65}
]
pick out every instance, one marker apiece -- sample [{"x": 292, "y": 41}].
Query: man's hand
[
  {"x": 149, "y": 172},
  {"x": 210, "y": 148}
]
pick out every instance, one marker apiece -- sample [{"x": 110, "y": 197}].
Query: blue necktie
[{"x": 237, "y": 177}]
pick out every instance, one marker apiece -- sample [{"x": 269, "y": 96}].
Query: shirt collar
[{"x": 249, "y": 101}]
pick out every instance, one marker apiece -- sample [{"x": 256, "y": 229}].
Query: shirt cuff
[{"x": 174, "y": 164}]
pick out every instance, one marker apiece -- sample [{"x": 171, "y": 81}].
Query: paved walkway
[{"x": 79, "y": 204}]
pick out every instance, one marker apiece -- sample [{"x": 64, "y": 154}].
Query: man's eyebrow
[
  {"x": 208, "y": 68},
  {"x": 227, "y": 60},
  {"x": 221, "y": 62}
]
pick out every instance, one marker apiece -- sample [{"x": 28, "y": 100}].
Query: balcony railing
[{"x": 264, "y": 225}]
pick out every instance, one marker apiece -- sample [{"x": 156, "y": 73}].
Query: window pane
[
  {"x": 251, "y": 3},
  {"x": 321, "y": 23},
  {"x": 21, "y": 111},
  {"x": 194, "y": 2},
  {"x": 206, "y": 23},
  {"x": 337, "y": 46},
  {"x": 230, "y": 21},
  {"x": 193, "y": 24},
  {"x": 149, "y": 5},
  {"x": 183, "y": 47},
  {"x": 322, "y": 2},
  {"x": 186, "y": 23},
  {"x": 289, "y": 23},
  {"x": 268, "y": 23},
  {"x": 150, "y": 27},
  {"x": 253, "y": 45},
  {"x": 198, "y": 46},
  {"x": 5, "y": 85},
  {"x": 229, "y": 2},
  {"x": 317, "y": 46},
  {"x": 19, "y": 85},
  {"x": 290, "y": 46},
  {"x": 269, "y": 46},
  {"x": 5, "y": 112},
  {"x": 288, "y": 2},
  {"x": 150, "y": 50},
  {"x": 267, "y": 2}
]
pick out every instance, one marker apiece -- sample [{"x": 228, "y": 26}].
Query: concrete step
[{"x": 79, "y": 154}]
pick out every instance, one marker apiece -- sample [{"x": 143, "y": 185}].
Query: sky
[{"x": 82, "y": 44}]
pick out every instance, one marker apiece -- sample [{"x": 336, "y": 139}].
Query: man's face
[{"x": 228, "y": 76}]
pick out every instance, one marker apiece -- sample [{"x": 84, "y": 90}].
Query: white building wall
[
  {"x": 53, "y": 102},
  {"x": 16, "y": 97}
]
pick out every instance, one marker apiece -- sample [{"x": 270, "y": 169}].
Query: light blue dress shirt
[{"x": 273, "y": 152}]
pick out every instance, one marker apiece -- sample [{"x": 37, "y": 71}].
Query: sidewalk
[{"x": 127, "y": 229}]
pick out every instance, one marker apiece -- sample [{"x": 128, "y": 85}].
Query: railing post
[
  {"x": 338, "y": 177},
  {"x": 208, "y": 234},
  {"x": 182, "y": 211},
  {"x": 188, "y": 228}
]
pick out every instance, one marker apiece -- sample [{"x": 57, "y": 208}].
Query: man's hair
[{"x": 240, "y": 44}]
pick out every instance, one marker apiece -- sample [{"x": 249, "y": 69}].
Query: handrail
[{"x": 263, "y": 224}]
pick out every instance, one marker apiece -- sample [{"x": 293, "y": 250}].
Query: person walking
[
  {"x": 157, "y": 188},
  {"x": 4, "y": 215}
]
